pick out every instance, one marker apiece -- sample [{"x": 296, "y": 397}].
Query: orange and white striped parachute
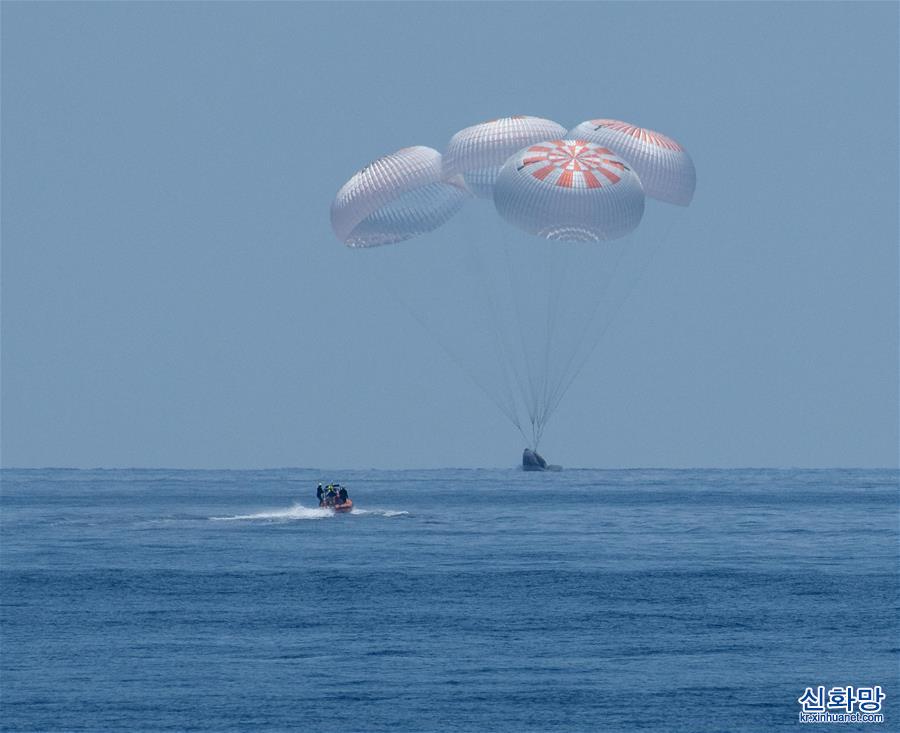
[
  {"x": 569, "y": 190},
  {"x": 663, "y": 165}
]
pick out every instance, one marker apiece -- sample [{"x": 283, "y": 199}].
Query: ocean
[{"x": 448, "y": 600}]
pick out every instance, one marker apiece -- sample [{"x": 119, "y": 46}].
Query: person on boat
[
  {"x": 342, "y": 495},
  {"x": 330, "y": 493},
  {"x": 319, "y": 492}
]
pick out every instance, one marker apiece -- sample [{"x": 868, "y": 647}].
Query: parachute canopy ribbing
[
  {"x": 571, "y": 190},
  {"x": 395, "y": 197},
  {"x": 478, "y": 152},
  {"x": 664, "y": 167}
]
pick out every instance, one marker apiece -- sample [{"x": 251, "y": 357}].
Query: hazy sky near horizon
[{"x": 172, "y": 293}]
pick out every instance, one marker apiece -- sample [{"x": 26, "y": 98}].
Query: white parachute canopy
[
  {"x": 394, "y": 198},
  {"x": 664, "y": 167},
  {"x": 478, "y": 152}
]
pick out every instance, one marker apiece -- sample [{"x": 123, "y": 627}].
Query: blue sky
[{"x": 172, "y": 294}]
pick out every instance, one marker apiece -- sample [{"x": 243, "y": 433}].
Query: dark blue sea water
[{"x": 452, "y": 600}]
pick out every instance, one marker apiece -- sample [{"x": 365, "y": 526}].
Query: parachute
[
  {"x": 521, "y": 305},
  {"x": 478, "y": 152},
  {"x": 571, "y": 190},
  {"x": 664, "y": 167},
  {"x": 397, "y": 197}
]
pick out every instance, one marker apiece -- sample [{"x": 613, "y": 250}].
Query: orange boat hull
[{"x": 339, "y": 508}]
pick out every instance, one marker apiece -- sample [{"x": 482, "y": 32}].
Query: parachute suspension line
[
  {"x": 540, "y": 357},
  {"x": 528, "y": 395},
  {"x": 553, "y": 271},
  {"x": 584, "y": 329},
  {"x": 542, "y": 264},
  {"x": 509, "y": 414},
  {"x": 502, "y": 358},
  {"x": 559, "y": 270},
  {"x": 505, "y": 352},
  {"x": 630, "y": 287},
  {"x": 549, "y": 271},
  {"x": 501, "y": 351}
]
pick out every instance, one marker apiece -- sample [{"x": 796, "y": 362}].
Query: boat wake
[
  {"x": 389, "y": 513},
  {"x": 298, "y": 512}
]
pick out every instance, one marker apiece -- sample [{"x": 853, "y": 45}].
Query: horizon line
[{"x": 449, "y": 468}]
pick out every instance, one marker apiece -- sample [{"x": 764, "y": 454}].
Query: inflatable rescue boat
[
  {"x": 343, "y": 508},
  {"x": 338, "y": 508}
]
